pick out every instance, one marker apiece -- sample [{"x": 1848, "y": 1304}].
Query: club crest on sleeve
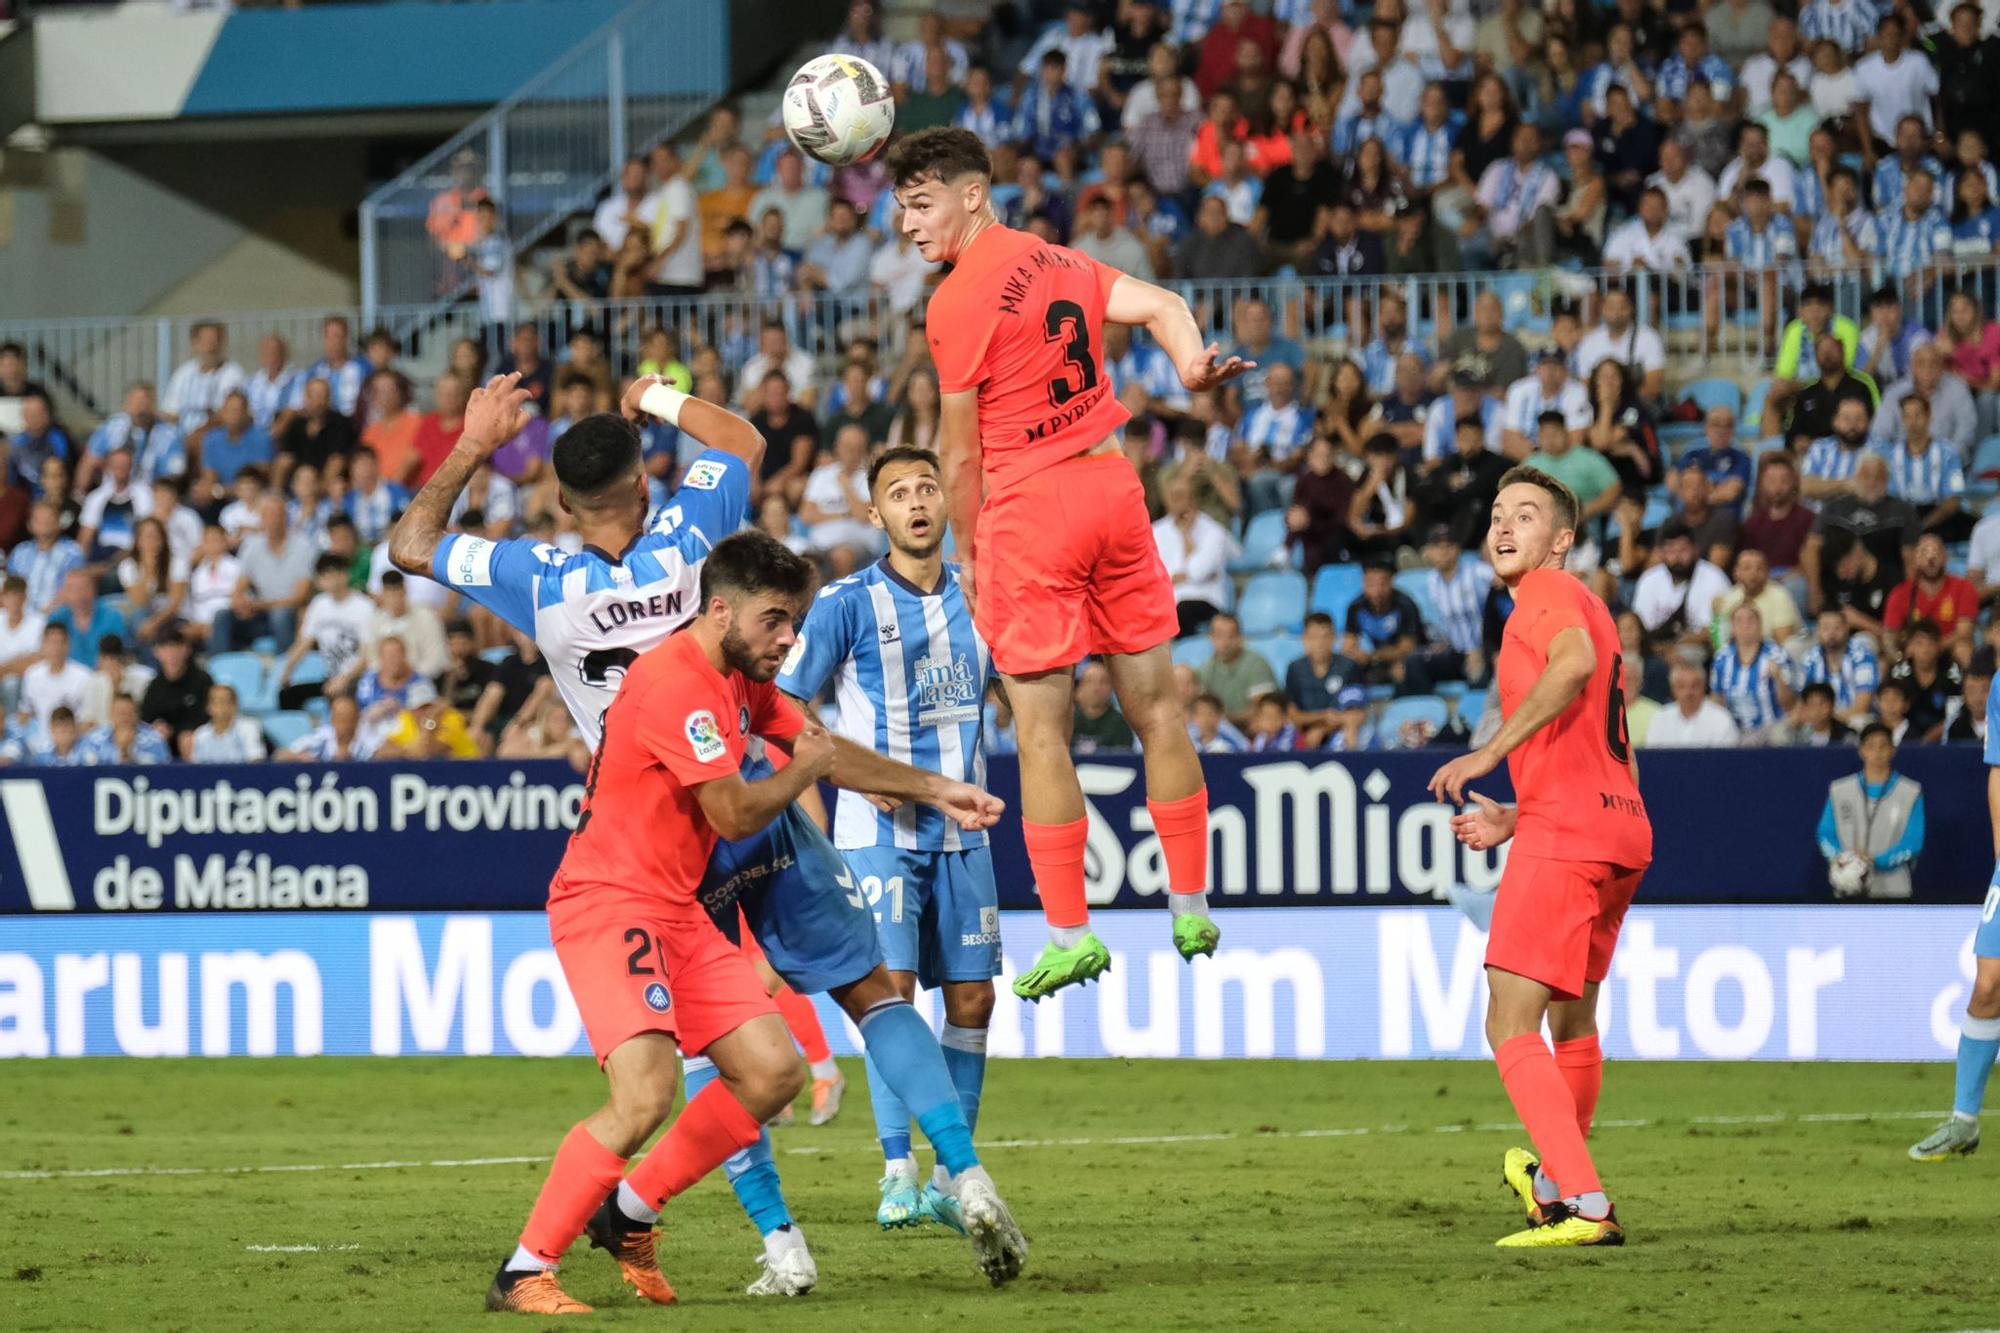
[
  {"x": 657, "y": 997},
  {"x": 704, "y": 475},
  {"x": 705, "y": 736}
]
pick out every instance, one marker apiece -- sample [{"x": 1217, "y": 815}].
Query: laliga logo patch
[
  {"x": 656, "y": 997},
  {"x": 705, "y": 736},
  {"x": 704, "y": 475}
]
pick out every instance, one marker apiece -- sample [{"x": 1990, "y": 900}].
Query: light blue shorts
[{"x": 937, "y": 913}]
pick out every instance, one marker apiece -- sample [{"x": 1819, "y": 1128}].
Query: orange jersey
[
  {"x": 676, "y": 723},
  {"x": 1572, "y": 778},
  {"x": 1022, "y": 321}
]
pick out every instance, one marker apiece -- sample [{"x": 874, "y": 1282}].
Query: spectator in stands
[
  {"x": 1966, "y": 719},
  {"x": 1269, "y": 438},
  {"x": 1322, "y": 500},
  {"x": 790, "y": 437},
  {"x": 1196, "y": 551},
  {"x": 983, "y": 115},
  {"x": 1582, "y": 469},
  {"x": 227, "y": 737},
  {"x": 1714, "y": 526},
  {"x": 1751, "y": 675},
  {"x": 1210, "y": 728},
  {"x": 1866, "y": 511},
  {"x": 804, "y": 207},
  {"x": 1623, "y": 339},
  {"x": 198, "y": 384},
  {"x": 1971, "y": 344},
  {"x": 852, "y": 402},
  {"x": 1512, "y": 222},
  {"x": 1099, "y": 236},
  {"x": 115, "y": 674},
  {"x": 934, "y": 96},
  {"x": 775, "y": 352},
  {"x": 1688, "y": 188},
  {"x": 1885, "y": 347},
  {"x": 1470, "y": 399},
  {"x": 916, "y": 420},
  {"x": 1271, "y": 728},
  {"x": 427, "y": 727},
  {"x": 1256, "y": 341},
  {"x": 417, "y": 627},
  {"x": 1096, "y": 724},
  {"x": 308, "y": 508},
  {"x": 154, "y": 580},
  {"x": 835, "y": 504},
  {"x": 1778, "y": 525},
  {"x": 1968, "y": 66},
  {"x": 1693, "y": 720},
  {"x": 526, "y": 359},
  {"x": 212, "y": 579},
  {"x": 464, "y": 679},
  {"x": 1458, "y": 492},
  {"x": 175, "y": 702},
  {"x": 337, "y": 365},
  {"x": 1457, "y": 588},
  {"x": 1053, "y": 114},
  {"x": 85, "y": 615},
  {"x": 1217, "y": 247},
  {"x": 1893, "y": 82},
  {"x": 1502, "y": 355},
  {"x": 1832, "y": 461},
  {"x": 1676, "y": 598},
  {"x": 1815, "y": 724},
  {"x": 371, "y": 502},
  {"x": 318, "y": 436},
  {"x": 121, "y": 499},
  {"x": 384, "y": 689},
  {"x": 836, "y": 262},
  {"x": 156, "y": 445},
  {"x": 20, "y": 632},
  {"x": 60, "y": 745},
  {"x": 624, "y": 209},
  {"x": 46, "y": 558},
  {"x": 1852, "y": 581},
  {"x": 1931, "y": 679},
  {"x": 271, "y": 388},
  {"x": 1726, "y": 467},
  {"x": 1384, "y": 628},
  {"x": 438, "y": 431},
  {"x": 55, "y": 680},
  {"x": 1647, "y": 243},
  {"x": 277, "y": 577},
  {"x": 337, "y": 740},
  {"x": 1982, "y": 563},
  {"x": 1234, "y": 674},
  {"x": 38, "y": 441},
  {"x": 1776, "y": 610},
  {"x": 1927, "y": 473},
  {"x": 676, "y": 239},
  {"x": 234, "y": 441},
  {"x": 1218, "y": 490},
  {"x": 1845, "y": 235},
  {"x": 339, "y": 624},
  {"x": 124, "y": 739},
  {"x": 1934, "y": 596},
  {"x": 1382, "y": 511},
  {"x": 1328, "y": 701}
]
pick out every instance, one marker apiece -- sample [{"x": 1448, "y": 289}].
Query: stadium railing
[
  {"x": 551, "y": 148},
  {"x": 90, "y": 361}
]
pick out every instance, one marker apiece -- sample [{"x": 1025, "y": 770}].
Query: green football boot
[
  {"x": 1059, "y": 967},
  {"x": 1956, "y": 1137},
  {"x": 899, "y": 1206},
  {"x": 1196, "y": 936}
]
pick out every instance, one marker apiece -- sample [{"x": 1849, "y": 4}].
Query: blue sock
[
  {"x": 752, "y": 1171},
  {"x": 1978, "y": 1043},
  {"x": 906, "y": 1051},
  {"x": 892, "y": 1118},
  {"x": 965, "y": 1056}
]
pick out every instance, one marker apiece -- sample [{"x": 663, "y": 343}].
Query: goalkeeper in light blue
[
  {"x": 909, "y": 676},
  {"x": 1979, "y": 1035}
]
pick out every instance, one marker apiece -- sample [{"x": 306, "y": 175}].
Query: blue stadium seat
[
  {"x": 1677, "y": 437},
  {"x": 319, "y": 708},
  {"x": 496, "y": 655},
  {"x": 1472, "y": 707},
  {"x": 1411, "y": 708},
  {"x": 1416, "y": 584},
  {"x": 1709, "y": 394},
  {"x": 1263, "y": 539},
  {"x": 311, "y": 670},
  {"x": 244, "y": 672},
  {"x": 264, "y": 645},
  {"x": 1193, "y": 650},
  {"x": 1273, "y": 600},
  {"x": 1452, "y": 689},
  {"x": 1280, "y": 650},
  {"x": 1982, "y": 472},
  {"x": 1334, "y": 589},
  {"x": 1517, "y": 303},
  {"x": 285, "y": 726}
]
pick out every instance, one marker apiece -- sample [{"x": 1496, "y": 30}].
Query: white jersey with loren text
[{"x": 593, "y": 612}]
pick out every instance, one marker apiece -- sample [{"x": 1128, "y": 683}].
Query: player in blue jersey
[
  {"x": 910, "y": 675},
  {"x": 1979, "y": 1034},
  {"x": 592, "y": 613}
]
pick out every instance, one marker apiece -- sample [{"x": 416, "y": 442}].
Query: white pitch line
[
  {"x": 1120, "y": 1141},
  {"x": 296, "y": 1249}
]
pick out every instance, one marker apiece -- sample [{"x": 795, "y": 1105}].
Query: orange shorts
[
  {"x": 645, "y": 969},
  {"x": 1067, "y": 567},
  {"x": 1557, "y": 922}
]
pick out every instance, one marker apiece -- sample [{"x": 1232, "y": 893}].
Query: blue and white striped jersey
[
  {"x": 1425, "y": 152},
  {"x": 1826, "y": 242},
  {"x": 909, "y": 675},
  {"x": 344, "y": 380},
  {"x": 1907, "y": 245},
  {"x": 1461, "y": 602},
  {"x": 1858, "y": 671},
  {"x": 1830, "y": 460},
  {"x": 1750, "y": 688},
  {"x": 593, "y": 612},
  {"x": 1929, "y": 478}
]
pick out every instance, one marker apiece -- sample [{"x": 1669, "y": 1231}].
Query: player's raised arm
[
  {"x": 493, "y": 415},
  {"x": 1166, "y": 316},
  {"x": 715, "y": 427}
]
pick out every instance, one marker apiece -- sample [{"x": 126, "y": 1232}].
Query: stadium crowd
[{"x": 1781, "y": 573}]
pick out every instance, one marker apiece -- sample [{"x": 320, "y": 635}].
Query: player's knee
[
  {"x": 969, "y": 1006},
  {"x": 1985, "y": 1001},
  {"x": 642, "y": 1108}
]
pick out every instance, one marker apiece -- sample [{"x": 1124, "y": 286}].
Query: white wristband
[{"x": 664, "y": 402}]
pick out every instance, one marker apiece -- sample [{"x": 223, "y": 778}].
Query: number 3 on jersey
[{"x": 1065, "y": 324}]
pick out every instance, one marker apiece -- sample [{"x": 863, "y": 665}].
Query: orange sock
[
  {"x": 712, "y": 1126},
  {"x": 803, "y": 1020},
  {"x": 1545, "y": 1106},
  {"x": 1055, "y": 851},
  {"x": 1580, "y": 1061},
  {"x": 1182, "y": 826},
  {"x": 582, "y": 1176}
]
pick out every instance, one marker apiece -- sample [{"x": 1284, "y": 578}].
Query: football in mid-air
[{"x": 838, "y": 109}]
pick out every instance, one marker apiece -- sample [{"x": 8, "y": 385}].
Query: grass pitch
[{"x": 1156, "y": 1195}]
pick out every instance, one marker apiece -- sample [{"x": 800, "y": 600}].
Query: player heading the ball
[{"x": 1052, "y": 525}]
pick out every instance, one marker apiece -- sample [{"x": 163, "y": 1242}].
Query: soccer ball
[
  {"x": 1848, "y": 874},
  {"x": 838, "y": 109}
]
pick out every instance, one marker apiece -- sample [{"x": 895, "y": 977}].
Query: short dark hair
[
  {"x": 1816, "y": 291},
  {"x": 596, "y": 454},
  {"x": 392, "y": 578},
  {"x": 1318, "y": 618},
  {"x": 1924, "y": 626},
  {"x": 1982, "y": 662},
  {"x": 754, "y": 562},
  {"x": 944, "y": 153},
  {"x": 329, "y": 563},
  {"x": 457, "y": 625},
  {"x": 1819, "y": 689},
  {"x": 902, "y": 453},
  {"x": 1899, "y": 688},
  {"x": 1552, "y": 418},
  {"x": 1874, "y": 729},
  {"x": 1564, "y": 499}
]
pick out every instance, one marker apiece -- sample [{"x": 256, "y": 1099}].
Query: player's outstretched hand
[
  {"x": 1448, "y": 783},
  {"x": 495, "y": 414},
  {"x": 972, "y": 808},
  {"x": 1208, "y": 369},
  {"x": 813, "y": 747},
  {"x": 628, "y": 406},
  {"x": 1485, "y": 826}
]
